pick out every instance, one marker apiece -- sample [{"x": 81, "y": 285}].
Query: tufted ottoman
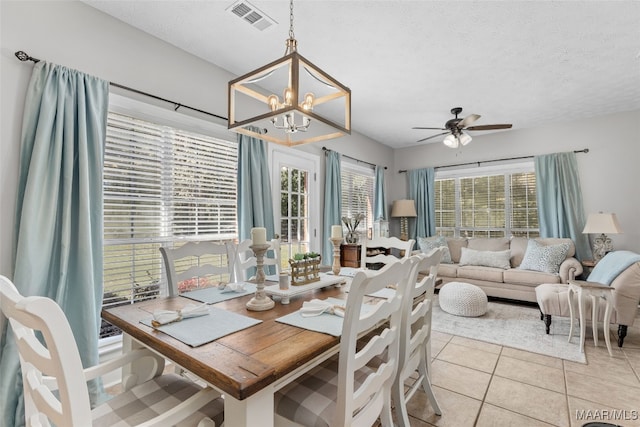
[
  {"x": 553, "y": 301},
  {"x": 463, "y": 299}
]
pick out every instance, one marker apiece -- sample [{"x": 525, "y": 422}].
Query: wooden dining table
[{"x": 247, "y": 366}]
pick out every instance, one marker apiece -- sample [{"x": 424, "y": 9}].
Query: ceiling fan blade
[
  {"x": 490, "y": 127},
  {"x": 433, "y": 136},
  {"x": 429, "y": 128},
  {"x": 471, "y": 118}
]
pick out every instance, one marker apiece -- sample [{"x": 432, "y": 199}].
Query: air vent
[{"x": 251, "y": 14}]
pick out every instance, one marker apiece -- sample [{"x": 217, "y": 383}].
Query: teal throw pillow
[
  {"x": 545, "y": 258},
  {"x": 427, "y": 244}
]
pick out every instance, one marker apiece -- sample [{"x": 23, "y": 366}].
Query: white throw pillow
[
  {"x": 497, "y": 259},
  {"x": 427, "y": 244},
  {"x": 545, "y": 258}
]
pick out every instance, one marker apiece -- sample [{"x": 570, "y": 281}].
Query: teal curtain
[
  {"x": 559, "y": 197},
  {"x": 59, "y": 232},
  {"x": 380, "y": 197},
  {"x": 332, "y": 202},
  {"x": 422, "y": 191},
  {"x": 255, "y": 203}
]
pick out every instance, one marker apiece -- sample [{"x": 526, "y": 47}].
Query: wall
[
  {"x": 80, "y": 37},
  {"x": 609, "y": 173}
]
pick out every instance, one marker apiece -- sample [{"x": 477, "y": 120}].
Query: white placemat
[
  {"x": 325, "y": 323},
  {"x": 196, "y": 331},
  {"x": 213, "y": 295}
]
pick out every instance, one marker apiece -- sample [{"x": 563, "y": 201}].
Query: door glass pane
[{"x": 294, "y": 214}]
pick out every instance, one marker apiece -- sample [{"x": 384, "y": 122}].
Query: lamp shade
[
  {"x": 451, "y": 141},
  {"x": 602, "y": 223},
  {"x": 404, "y": 208}
]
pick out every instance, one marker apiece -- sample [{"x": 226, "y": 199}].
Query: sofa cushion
[
  {"x": 427, "y": 244},
  {"x": 528, "y": 277},
  {"x": 556, "y": 241},
  {"x": 455, "y": 244},
  {"x": 490, "y": 274},
  {"x": 545, "y": 258},
  {"x": 518, "y": 248},
  {"x": 447, "y": 270},
  {"x": 488, "y": 243},
  {"x": 498, "y": 259}
]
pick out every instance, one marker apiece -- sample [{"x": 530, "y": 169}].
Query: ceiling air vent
[{"x": 251, "y": 14}]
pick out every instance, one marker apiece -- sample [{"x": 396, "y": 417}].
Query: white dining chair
[
  {"x": 197, "y": 261},
  {"x": 55, "y": 383},
  {"x": 374, "y": 251},
  {"x": 245, "y": 259},
  {"x": 415, "y": 337},
  {"x": 344, "y": 390}
]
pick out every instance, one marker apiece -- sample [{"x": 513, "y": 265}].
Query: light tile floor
[{"x": 487, "y": 385}]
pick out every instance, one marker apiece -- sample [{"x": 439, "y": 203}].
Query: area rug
[{"x": 513, "y": 325}]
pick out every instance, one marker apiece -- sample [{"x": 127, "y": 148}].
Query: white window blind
[
  {"x": 487, "y": 203},
  {"x": 162, "y": 186},
  {"x": 357, "y": 194}
]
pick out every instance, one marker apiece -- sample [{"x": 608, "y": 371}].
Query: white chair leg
[
  {"x": 397, "y": 395},
  {"x": 428, "y": 389}
]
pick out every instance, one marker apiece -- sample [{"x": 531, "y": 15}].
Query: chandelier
[{"x": 294, "y": 100}]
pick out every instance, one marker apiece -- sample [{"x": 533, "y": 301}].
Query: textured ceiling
[{"x": 408, "y": 63}]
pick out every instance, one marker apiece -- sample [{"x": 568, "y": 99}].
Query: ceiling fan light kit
[
  {"x": 312, "y": 107},
  {"x": 454, "y": 129}
]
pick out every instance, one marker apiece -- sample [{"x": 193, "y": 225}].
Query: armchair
[{"x": 622, "y": 270}]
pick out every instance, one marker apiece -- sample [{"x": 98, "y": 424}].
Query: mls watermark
[{"x": 606, "y": 415}]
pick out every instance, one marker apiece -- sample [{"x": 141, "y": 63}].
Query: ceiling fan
[{"x": 454, "y": 127}]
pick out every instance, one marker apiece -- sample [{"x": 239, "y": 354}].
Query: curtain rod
[
  {"x": 23, "y": 56},
  {"x": 585, "y": 150},
  {"x": 352, "y": 158}
]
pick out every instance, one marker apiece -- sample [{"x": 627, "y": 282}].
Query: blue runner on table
[{"x": 609, "y": 267}]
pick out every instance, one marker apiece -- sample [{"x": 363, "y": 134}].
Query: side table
[
  {"x": 595, "y": 291},
  {"x": 587, "y": 267}
]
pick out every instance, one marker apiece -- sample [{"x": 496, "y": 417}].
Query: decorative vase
[{"x": 351, "y": 237}]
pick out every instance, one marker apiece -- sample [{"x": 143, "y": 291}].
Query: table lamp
[
  {"x": 404, "y": 209},
  {"x": 603, "y": 224}
]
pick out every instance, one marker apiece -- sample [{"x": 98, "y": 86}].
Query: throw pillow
[
  {"x": 497, "y": 259},
  {"x": 427, "y": 244},
  {"x": 545, "y": 258}
]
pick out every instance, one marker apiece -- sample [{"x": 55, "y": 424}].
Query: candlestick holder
[
  {"x": 260, "y": 302},
  {"x": 336, "y": 241}
]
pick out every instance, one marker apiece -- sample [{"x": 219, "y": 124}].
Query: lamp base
[{"x": 601, "y": 246}]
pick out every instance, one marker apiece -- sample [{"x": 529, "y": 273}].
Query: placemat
[
  {"x": 325, "y": 323},
  {"x": 196, "y": 331},
  {"x": 213, "y": 295}
]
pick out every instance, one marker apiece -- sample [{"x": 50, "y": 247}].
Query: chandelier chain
[{"x": 291, "y": 35}]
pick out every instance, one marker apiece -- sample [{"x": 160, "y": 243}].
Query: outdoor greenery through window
[
  {"x": 162, "y": 186},
  {"x": 487, "y": 204},
  {"x": 357, "y": 195}
]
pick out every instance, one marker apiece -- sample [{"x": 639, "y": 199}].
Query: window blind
[
  {"x": 476, "y": 204},
  {"x": 357, "y": 194},
  {"x": 161, "y": 186}
]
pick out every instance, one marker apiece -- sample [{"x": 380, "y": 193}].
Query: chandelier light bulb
[
  {"x": 307, "y": 104},
  {"x": 272, "y": 100},
  {"x": 288, "y": 97}
]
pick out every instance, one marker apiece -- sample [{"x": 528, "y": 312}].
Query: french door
[{"x": 296, "y": 201}]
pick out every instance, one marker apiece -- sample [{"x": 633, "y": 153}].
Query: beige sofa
[{"x": 512, "y": 283}]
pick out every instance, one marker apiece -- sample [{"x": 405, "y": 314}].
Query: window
[
  {"x": 487, "y": 202},
  {"x": 162, "y": 186},
  {"x": 357, "y": 195}
]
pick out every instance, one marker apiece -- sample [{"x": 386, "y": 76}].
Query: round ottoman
[{"x": 463, "y": 299}]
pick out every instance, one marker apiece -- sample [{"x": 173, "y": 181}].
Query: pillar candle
[
  {"x": 259, "y": 235},
  {"x": 336, "y": 231}
]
